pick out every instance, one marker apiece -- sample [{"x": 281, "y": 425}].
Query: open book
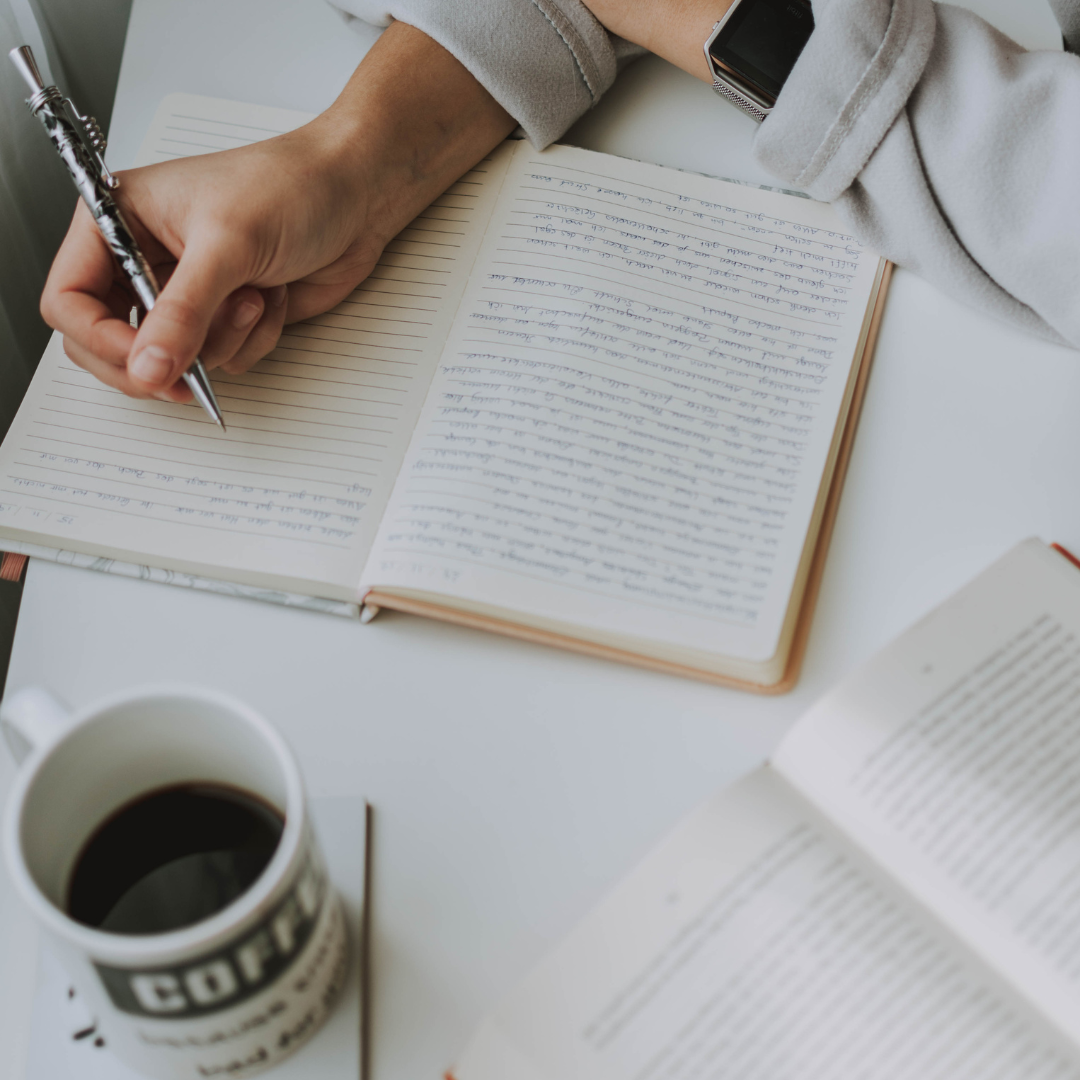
[
  {"x": 896, "y": 896},
  {"x": 581, "y": 399}
]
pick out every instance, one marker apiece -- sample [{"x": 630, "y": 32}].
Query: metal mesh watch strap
[{"x": 750, "y": 107}]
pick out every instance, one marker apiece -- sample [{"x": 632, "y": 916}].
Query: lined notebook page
[
  {"x": 292, "y": 492},
  {"x": 630, "y": 425}
]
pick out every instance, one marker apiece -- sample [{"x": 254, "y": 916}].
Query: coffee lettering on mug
[
  {"x": 253, "y": 956},
  {"x": 159, "y": 993},
  {"x": 286, "y": 923},
  {"x": 227, "y": 976},
  {"x": 212, "y": 983}
]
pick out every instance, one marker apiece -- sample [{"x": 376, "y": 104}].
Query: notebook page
[
  {"x": 753, "y": 944},
  {"x": 954, "y": 757},
  {"x": 629, "y": 426},
  {"x": 292, "y": 492}
]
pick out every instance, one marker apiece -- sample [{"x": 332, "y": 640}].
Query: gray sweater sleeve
[
  {"x": 1068, "y": 17},
  {"x": 545, "y": 61},
  {"x": 947, "y": 147}
]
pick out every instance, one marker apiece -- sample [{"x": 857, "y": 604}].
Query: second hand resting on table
[{"x": 278, "y": 231}]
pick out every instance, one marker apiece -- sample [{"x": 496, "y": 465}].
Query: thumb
[{"x": 173, "y": 332}]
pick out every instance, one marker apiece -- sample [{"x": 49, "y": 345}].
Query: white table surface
[{"x": 515, "y": 784}]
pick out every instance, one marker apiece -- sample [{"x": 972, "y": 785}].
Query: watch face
[{"x": 761, "y": 40}]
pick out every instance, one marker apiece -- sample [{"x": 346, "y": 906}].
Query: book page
[
  {"x": 292, "y": 492},
  {"x": 630, "y": 424},
  {"x": 954, "y": 757},
  {"x": 752, "y": 944}
]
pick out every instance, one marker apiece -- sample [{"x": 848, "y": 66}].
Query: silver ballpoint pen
[{"x": 84, "y": 155}]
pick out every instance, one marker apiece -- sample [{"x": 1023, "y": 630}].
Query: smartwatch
[{"x": 753, "y": 48}]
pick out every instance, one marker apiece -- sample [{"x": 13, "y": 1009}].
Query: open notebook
[
  {"x": 896, "y": 896},
  {"x": 581, "y": 399}
]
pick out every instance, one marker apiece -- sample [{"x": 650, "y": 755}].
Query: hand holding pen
[
  {"x": 83, "y": 154},
  {"x": 275, "y": 231}
]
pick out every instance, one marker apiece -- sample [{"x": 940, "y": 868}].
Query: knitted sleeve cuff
[
  {"x": 854, "y": 76},
  {"x": 545, "y": 61}
]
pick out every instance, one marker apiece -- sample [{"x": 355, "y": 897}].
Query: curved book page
[
  {"x": 756, "y": 943},
  {"x": 635, "y": 421},
  {"x": 953, "y": 757}
]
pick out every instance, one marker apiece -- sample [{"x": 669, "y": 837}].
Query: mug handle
[{"x": 30, "y": 719}]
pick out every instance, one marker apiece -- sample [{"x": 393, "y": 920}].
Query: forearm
[
  {"x": 673, "y": 29},
  {"x": 410, "y": 121}
]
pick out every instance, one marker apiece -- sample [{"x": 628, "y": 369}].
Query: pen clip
[
  {"x": 86, "y": 127},
  {"x": 94, "y": 141}
]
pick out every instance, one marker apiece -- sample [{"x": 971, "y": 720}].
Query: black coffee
[{"x": 172, "y": 858}]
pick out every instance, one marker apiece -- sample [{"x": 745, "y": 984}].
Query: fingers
[
  {"x": 206, "y": 306},
  {"x": 310, "y": 297},
  {"x": 173, "y": 333},
  {"x": 242, "y": 331},
  {"x": 81, "y": 298},
  {"x": 264, "y": 335},
  {"x": 245, "y": 328},
  {"x": 231, "y": 326},
  {"x": 116, "y": 376}
]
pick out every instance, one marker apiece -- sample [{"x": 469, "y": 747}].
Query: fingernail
[
  {"x": 245, "y": 314},
  {"x": 278, "y": 294},
  {"x": 152, "y": 365}
]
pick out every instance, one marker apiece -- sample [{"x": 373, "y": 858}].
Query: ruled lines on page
[
  {"x": 634, "y": 415},
  {"x": 316, "y": 431}
]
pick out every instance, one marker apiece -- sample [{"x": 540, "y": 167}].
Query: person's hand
[
  {"x": 264, "y": 233},
  {"x": 246, "y": 240}
]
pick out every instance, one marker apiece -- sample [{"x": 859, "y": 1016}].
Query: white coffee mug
[{"x": 228, "y": 996}]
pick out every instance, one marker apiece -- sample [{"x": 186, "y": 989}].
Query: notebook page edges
[
  {"x": 631, "y": 421},
  {"x": 954, "y": 758},
  {"x": 754, "y": 942},
  {"x": 291, "y": 494}
]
